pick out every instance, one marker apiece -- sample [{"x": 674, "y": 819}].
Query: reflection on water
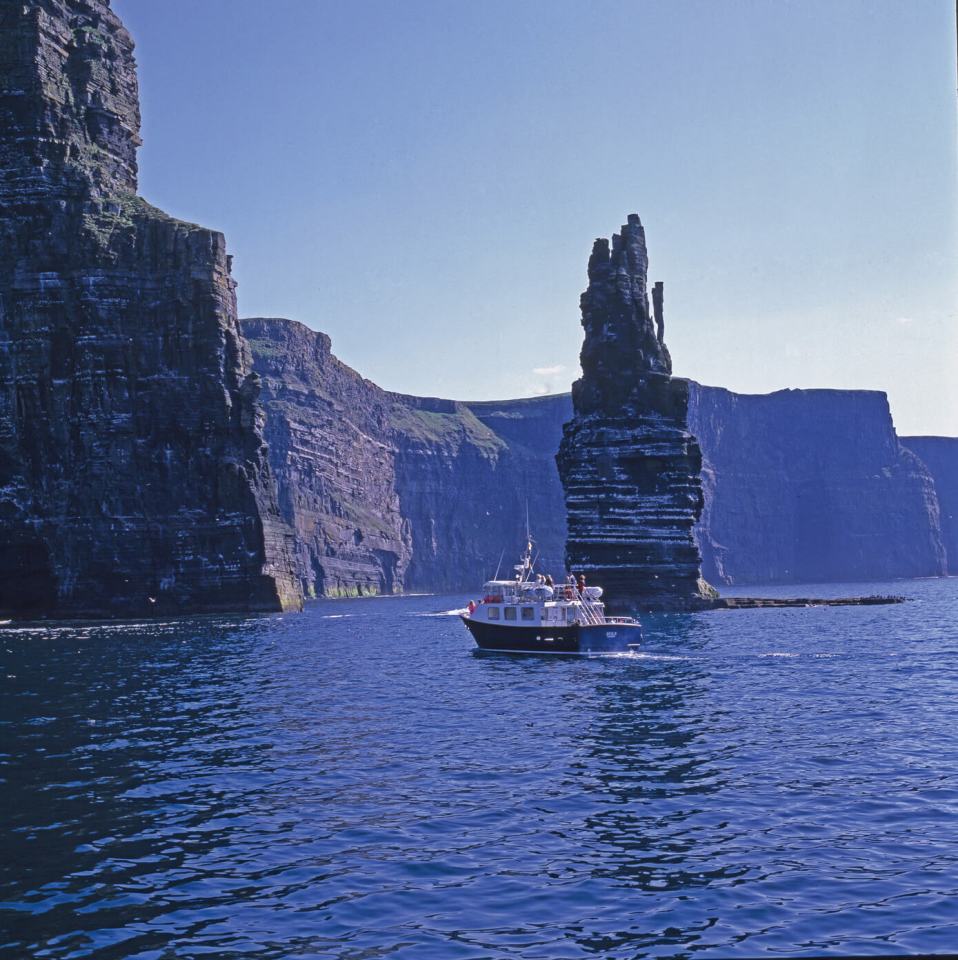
[
  {"x": 356, "y": 783},
  {"x": 652, "y": 767}
]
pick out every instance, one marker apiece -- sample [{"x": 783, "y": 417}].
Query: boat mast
[{"x": 527, "y": 558}]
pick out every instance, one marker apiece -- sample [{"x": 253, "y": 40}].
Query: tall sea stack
[
  {"x": 133, "y": 473},
  {"x": 629, "y": 467}
]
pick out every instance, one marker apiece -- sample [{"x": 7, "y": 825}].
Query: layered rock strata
[
  {"x": 940, "y": 456},
  {"x": 327, "y": 431},
  {"x": 629, "y": 466},
  {"x": 391, "y": 493},
  {"x": 134, "y": 479},
  {"x": 811, "y": 485}
]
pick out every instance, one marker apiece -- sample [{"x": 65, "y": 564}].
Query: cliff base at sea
[{"x": 770, "y": 603}]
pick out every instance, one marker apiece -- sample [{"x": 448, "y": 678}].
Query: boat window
[
  {"x": 492, "y": 613},
  {"x": 510, "y": 613},
  {"x": 527, "y": 613}
]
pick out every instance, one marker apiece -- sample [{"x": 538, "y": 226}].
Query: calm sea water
[{"x": 357, "y": 782}]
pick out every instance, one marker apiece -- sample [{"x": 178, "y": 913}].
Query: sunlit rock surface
[
  {"x": 628, "y": 464},
  {"x": 133, "y": 474},
  {"x": 390, "y": 493}
]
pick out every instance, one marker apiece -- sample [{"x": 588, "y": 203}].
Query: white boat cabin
[{"x": 532, "y": 604}]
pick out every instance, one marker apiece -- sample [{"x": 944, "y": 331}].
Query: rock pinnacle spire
[{"x": 630, "y": 468}]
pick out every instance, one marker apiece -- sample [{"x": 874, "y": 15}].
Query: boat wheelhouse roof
[{"x": 513, "y": 588}]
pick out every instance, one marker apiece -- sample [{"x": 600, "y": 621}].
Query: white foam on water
[{"x": 653, "y": 656}]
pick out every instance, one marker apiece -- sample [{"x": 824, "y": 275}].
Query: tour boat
[{"x": 530, "y": 615}]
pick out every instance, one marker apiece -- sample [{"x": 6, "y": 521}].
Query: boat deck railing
[{"x": 593, "y": 612}]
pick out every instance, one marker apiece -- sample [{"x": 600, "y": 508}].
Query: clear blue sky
[{"x": 423, "y": 180}]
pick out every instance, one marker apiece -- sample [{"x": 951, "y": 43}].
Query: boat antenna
[
  {"x": 499, "y": 564},
  {"x": 528, "y": 562}
]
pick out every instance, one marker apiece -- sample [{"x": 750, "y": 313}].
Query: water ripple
[{"x": 356, "y": 783}]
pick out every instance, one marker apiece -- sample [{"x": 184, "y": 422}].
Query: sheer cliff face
[
  {"x": 388, "y": 492},
  {"x": 629, "y": 466},
  {"x": 465, "y": 483},
  {"x": 940, "y": 456},
  {"x": 811, "y": 485},
  {"x": 133, "y": 475},
  {"x": 328, "y": 434}
]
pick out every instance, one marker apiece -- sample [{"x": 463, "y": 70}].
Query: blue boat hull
[{"x": 568, "y": 639}]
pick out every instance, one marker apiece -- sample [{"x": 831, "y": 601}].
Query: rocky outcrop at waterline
[
  {"x": 134, "y": 479},
  {"x": 628, "y": 464}
]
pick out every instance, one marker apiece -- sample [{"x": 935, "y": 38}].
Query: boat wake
[{"x": 639, "y": 655}]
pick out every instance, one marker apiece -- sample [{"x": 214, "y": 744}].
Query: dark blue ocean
[{"x": 358, "y": 783}]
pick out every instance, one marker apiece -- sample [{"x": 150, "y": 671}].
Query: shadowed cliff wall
[
  {"x": 940, "y": 456},
  {"x": 808, "y": 485},
  {"x": 466, "y": 475},
  {"x": 133, "y": 476}
]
